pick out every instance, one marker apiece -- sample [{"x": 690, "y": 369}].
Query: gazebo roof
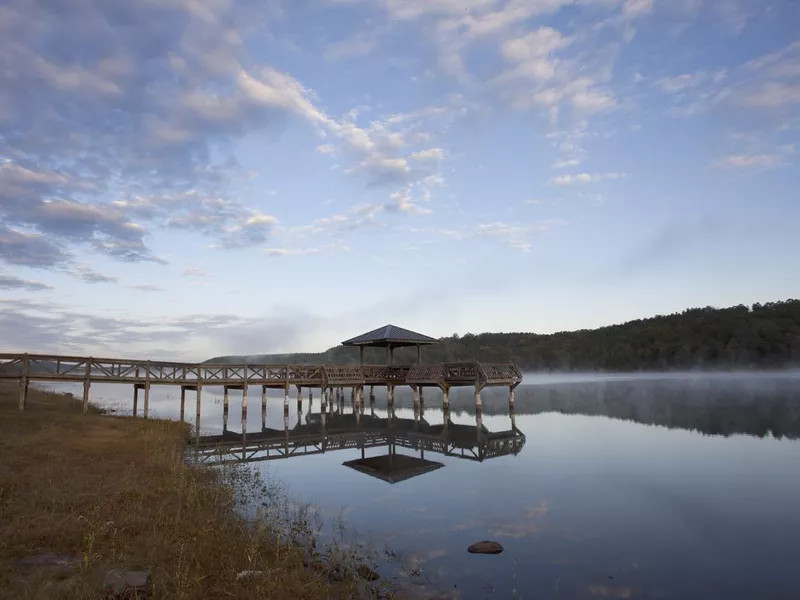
[
  {"x": 390, "y": 335},
  {"x": 393, "y": 468}
]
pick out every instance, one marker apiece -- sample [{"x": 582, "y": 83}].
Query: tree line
[{"x": 761, "y": 336}]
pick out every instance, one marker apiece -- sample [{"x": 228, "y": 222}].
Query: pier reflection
[{"x": 332, "y": 430}]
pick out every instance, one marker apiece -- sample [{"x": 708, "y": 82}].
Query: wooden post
[
  {"x": 361, "y": 354},
  {"x": 183, "y": 403},
  {"x": 87, "y": 382},
  {"x": 415, "y": 389},
  {"x": 286, "y": 398},
  {"x": 446, "y": 397},
  {"x": 372, "y": 394},
  {"x": 263, "y": 407},
  {"x": 224, "y": 409},
  {"x": 390, "y": 395},
  {"x": 244, "y": 408},
  {"x": 146, "y": 390},
  {"x": 299, "y": 400},
  {"x": 419, "y": 354},
  {"x": 421, "y": 395},
  {"x": 23, "y": 383},
  {"x": 478, "y": 403},
  {"x": 197, "y": 414},
  {"x": 511, "y": 397},
  {"x": 136, "y": 394}
]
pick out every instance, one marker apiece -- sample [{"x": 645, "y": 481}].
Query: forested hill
[{"x": 762, "y": 336}]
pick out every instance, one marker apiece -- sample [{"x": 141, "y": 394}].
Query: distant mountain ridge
[{"x": 762, "y": 336}]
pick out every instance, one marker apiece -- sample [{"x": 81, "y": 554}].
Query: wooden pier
[{"x": 329, "y": 379}]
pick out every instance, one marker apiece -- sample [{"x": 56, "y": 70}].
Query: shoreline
[{"x": 116, "y": 494}]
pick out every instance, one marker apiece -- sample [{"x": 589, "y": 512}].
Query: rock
[
  {"x": 48, "y": 560},
  {"x": 366, "y": 573},
  {"x": 125, "y": 584},
  {"x": 485, "y": 547}
]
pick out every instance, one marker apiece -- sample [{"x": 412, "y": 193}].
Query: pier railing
[{"x": 58, "y": 368}]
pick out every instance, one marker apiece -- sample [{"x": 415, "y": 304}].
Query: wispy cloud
[
  {"x": 744, "y": 161},
  {"x": 10, "y": 282},
  {"x": 584, "y": 178}
]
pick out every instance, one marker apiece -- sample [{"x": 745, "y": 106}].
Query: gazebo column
[
  {"x": 415, "y": 389},
  {"x": 419, "y": 354},
  {"x": 263, "y": 407},
  {"x": 299, "y": 400},
  {"x": 361, "y": 354}
]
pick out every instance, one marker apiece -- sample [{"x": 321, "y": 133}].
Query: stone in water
[{"x": 485, "y": 547}]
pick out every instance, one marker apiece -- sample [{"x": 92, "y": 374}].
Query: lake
[{"x": 681, "y": 486}]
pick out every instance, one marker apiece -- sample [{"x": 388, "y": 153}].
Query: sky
[{"x": 187, "y": 178}]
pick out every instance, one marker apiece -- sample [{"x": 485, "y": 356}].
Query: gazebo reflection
[{"x": 333, "y": 430}]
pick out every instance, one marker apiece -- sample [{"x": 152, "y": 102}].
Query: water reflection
[{"x": 331, "y": 430}]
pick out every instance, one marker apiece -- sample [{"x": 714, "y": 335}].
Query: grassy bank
[{"x": 117, "y": 492}]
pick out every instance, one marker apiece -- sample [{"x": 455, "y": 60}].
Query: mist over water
[{"x": 674, "y": 485}]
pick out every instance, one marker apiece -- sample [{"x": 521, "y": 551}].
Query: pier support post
[
  {"x": 372, "y": 394},
  {"x": 87, "y": 382},
  {"x": 197, "y": 413},
  {"x": 86, "y": 385},
  {"x": 23, "y": 384},
  {"x": 135, "y": 399},
  {"x": 478, "y": 402},
  {"x": 299, "y": 401},
  {"x": 146, "y": 411},
  {"x": 183, "y": 403},
  {"x": 310, "y": 399},
  {"x": 415, "y": 389},
  {"x": 244, "y": 408},
  {"x": 511, "y": 398},
  {"x": 421, "y": 395},
  {"x": 446, "y": 398},
  {"x": 225, "y": 409},
  {"x": 390, "y": 396},
  {"x": 286, "y": 399}
]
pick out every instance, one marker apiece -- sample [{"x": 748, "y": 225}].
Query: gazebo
[{"x": 390, "y": 337}]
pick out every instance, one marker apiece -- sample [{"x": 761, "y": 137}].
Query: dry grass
[{"x": 117, "y": 492}]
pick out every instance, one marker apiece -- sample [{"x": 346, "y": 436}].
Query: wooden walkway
[{"x": 194, "y": 376}]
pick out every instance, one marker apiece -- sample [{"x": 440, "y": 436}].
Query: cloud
[
  {"x": 773, "y": 95},
  {"x": 563, "y": 164},
  {"x": 29, "y": 249},
  {"x": 428, "y": 154},
  {"x": 745, "y": 161},
  {"x": 584, "y": 178},
  {"x": 679, "y": 83},
  {"x": 88, "y": 275},
  {"x": 145, "y": 287},
  {"x": 10, "y": 282},
  {"x": 53, "y": 328},
  {"x": 116, "y": 103}
]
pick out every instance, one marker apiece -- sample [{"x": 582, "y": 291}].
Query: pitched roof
[
  {"x": 390, "y": 334},
  {"x": 393, "y": 468}
]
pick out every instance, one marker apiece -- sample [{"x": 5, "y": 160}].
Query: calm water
[{"x": 683, "y": 487}]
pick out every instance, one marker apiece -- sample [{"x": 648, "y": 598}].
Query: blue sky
[{"x": 185, "y": 178}]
